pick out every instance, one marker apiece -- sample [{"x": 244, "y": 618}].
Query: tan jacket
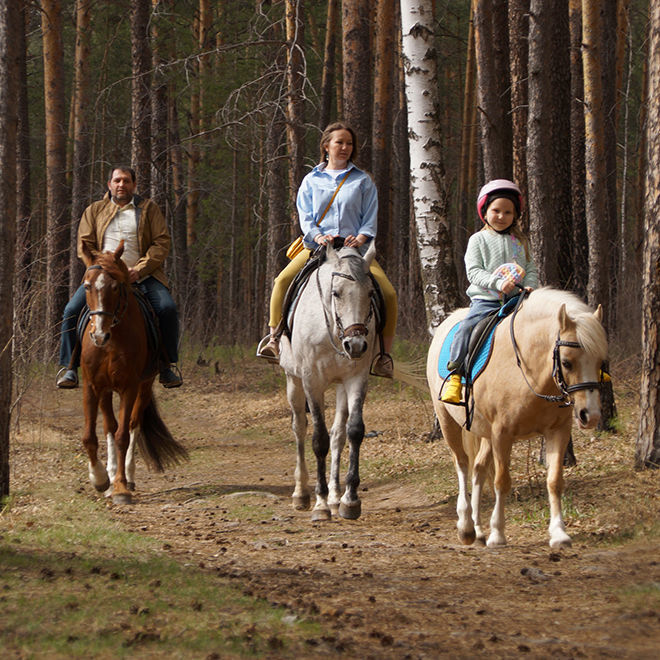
[{"x": 153, "y": 237}]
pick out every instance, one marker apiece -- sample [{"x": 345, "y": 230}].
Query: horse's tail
[
  {"x": 411, "y": 373},
  {"x": 158, "y": 447},
  {"x": 471, "y": 444}
]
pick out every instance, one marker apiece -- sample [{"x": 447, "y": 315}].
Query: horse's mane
[
  {"x": 590, "y": 333},
  {"x": 355, "y": 264},
  {"x": 116, "y": 269}
]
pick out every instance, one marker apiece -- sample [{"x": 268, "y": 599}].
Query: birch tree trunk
[
  {"x": 9, "y": 27},
  {"x": 647, "y": 448},
  {"x": 427, "y": 176},
  {"x": 57, "y": 224},
  {"x": 81, "y": 146}
]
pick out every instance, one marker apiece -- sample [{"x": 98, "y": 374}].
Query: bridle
[
  {"x": 564, "y": 399},
  {"x": 122, "y": 303},
  {"x": 353, "y": 330}
]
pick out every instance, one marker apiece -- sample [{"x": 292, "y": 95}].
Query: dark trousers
[
  {"x": 159, "y": 298},
  {"x": 479, "y": 308}
]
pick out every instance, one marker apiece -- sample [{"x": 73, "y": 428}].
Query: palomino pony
[
  {"x": 543, "y": 371},
  {"x": 116, "y": 357},
  {"x": 332, "y": 340}
]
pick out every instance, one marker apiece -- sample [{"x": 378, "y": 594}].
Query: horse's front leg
[
  {"x": 96, "y": 470},
  {"x": 556, "y": 444},
  {"x": 120, "y": 492},
  {"x": 337, "y": 442},
  {"x": 296, "y": 398},
  {"x": 501, "y": 447},
  {"x": 320, "y": 445},
  {"x": 479, "y": 473},
  {"x": 451, "y": 432},
  {"x": 109, "y": 428},
  {"x": 350, "y": 506}
]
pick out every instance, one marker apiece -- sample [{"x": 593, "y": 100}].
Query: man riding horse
[{"x": 124, "y": 215}]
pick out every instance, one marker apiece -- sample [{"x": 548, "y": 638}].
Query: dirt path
[{"x": 394, "y": 584}]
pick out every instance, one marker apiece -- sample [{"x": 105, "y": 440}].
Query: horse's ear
[
  {"x": 86, "y": 255},
  {"x": 563, "y": 318},
  {"x": 120, "y": 250},
  {"x": 599, "y": 313},
  {"x": 371, "y": 253}
]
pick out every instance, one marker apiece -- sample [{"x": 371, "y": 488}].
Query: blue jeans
[
  {"x": 159, "y": 298},
  {"x": 479, "y": 308}
]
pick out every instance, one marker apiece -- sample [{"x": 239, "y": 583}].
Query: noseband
[
  {"x": 564, "y": 398},
  {"x": 122, "y": 304},
  {"x": 353, "y": 330}
]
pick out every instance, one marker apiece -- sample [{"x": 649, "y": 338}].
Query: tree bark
[
  {"x": 9, "y": 66},
  {"x": 57, "y": 224},
  {"x": 382, "y": 127},
  {"x": 647, "y": 448},
  {"x": 328, "y": 76},
  {"x": 427, "y": 176},
  {"x": 141, "y": 94},
  {"x": 81, "y": 145},
  {"x": 356, "y": 21}
]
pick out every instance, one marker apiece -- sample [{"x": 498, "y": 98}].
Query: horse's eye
[
  {"x": 567, "y": 364},
  {"x": 335, "y": 294},
  {"x": 87, "y": 286}
]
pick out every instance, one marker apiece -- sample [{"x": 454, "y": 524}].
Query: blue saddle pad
[{"x": 480, "y": 360}]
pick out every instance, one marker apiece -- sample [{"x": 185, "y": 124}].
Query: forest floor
[{"x": 396, "y": 583}]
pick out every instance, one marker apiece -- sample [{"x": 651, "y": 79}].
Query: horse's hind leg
[
  {"x": 337, "y": 442},
  {"x": 296, "y": 397},
  {"x": 350, "y": 506},
  {"x": 320, "y": 445},
  {"x": 480, "y": 470},
  {"x": 97, "y": 472},
  {"x": 555, "y": 449}
]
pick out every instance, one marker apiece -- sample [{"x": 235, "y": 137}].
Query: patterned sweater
[{"x": 486, "y": 250}]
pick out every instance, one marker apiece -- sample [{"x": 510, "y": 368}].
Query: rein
[
  {"x": 118, "y": 314},
  {"x": 564, "y": 398},
  {"x": 354, "y": 330}
]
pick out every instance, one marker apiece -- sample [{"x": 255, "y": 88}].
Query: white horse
[
  {"x": 333, "y": 340},
  {"x": 543, "y": 371}
]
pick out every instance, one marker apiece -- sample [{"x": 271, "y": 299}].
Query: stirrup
[
  {"x": 260, "y": 347},
  {"x": 382, "y": 366}
]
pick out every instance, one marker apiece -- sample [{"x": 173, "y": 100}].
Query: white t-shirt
[{"x": 123, "y": 226}]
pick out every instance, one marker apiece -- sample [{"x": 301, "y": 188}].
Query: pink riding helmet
[{"x": 497, "y": 185}]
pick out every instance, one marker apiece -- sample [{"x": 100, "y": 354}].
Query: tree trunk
[
  {"x": 647, "y": 448},
  {"x": 141, "y": 94},
  {"x": 57, "y": 225},
  {"x": 10, "y": 25},
  {"x": 427, "y": 176},
  {"x": 356, "y": 21},
  {"x": 580, "y": 242},
  {"x": 493, "y": 88},
  {"x": 328, "y": 77},
  {"x": 192, "y": 196},
  {"x": 295, "y": 38},
  {"x": 382, "y": 127},
  {"x": 518, "y": 56},
  {"x": 81, "y": 150}
]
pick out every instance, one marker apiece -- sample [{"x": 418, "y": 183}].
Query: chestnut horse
[
  {"x": 116, "y": 357},
  {"x": 545, "y": 369}
]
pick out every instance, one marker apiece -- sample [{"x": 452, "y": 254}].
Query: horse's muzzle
[{"x": 354, "y": 341}]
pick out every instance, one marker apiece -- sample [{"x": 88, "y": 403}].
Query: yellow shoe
[{"x": 453, "y": 390}]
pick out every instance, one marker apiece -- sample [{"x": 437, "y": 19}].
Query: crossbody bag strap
[{"x": 332, "y": 199}]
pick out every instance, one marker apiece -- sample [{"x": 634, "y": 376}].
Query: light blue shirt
[{"x": 354, "y": 210}]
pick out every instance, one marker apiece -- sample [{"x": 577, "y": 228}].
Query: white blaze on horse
[
  {"x": 544, "y": 370},
  {"x": 333, "y": 339}
]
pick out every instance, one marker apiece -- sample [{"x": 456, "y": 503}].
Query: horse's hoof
[
  {"x": 103, "y": 487},
  {"x": 334, "y": 508},
  {"x": 558, "y": 544},
  {"x": 467, "y": 538},
  {"x": 321, "y": 515},
  {"x": 301, "y": 502},
  {"x": 131, "y": 485},
  {"x": 350, "y": 511},
  {"x": 122, "y": 498}
]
